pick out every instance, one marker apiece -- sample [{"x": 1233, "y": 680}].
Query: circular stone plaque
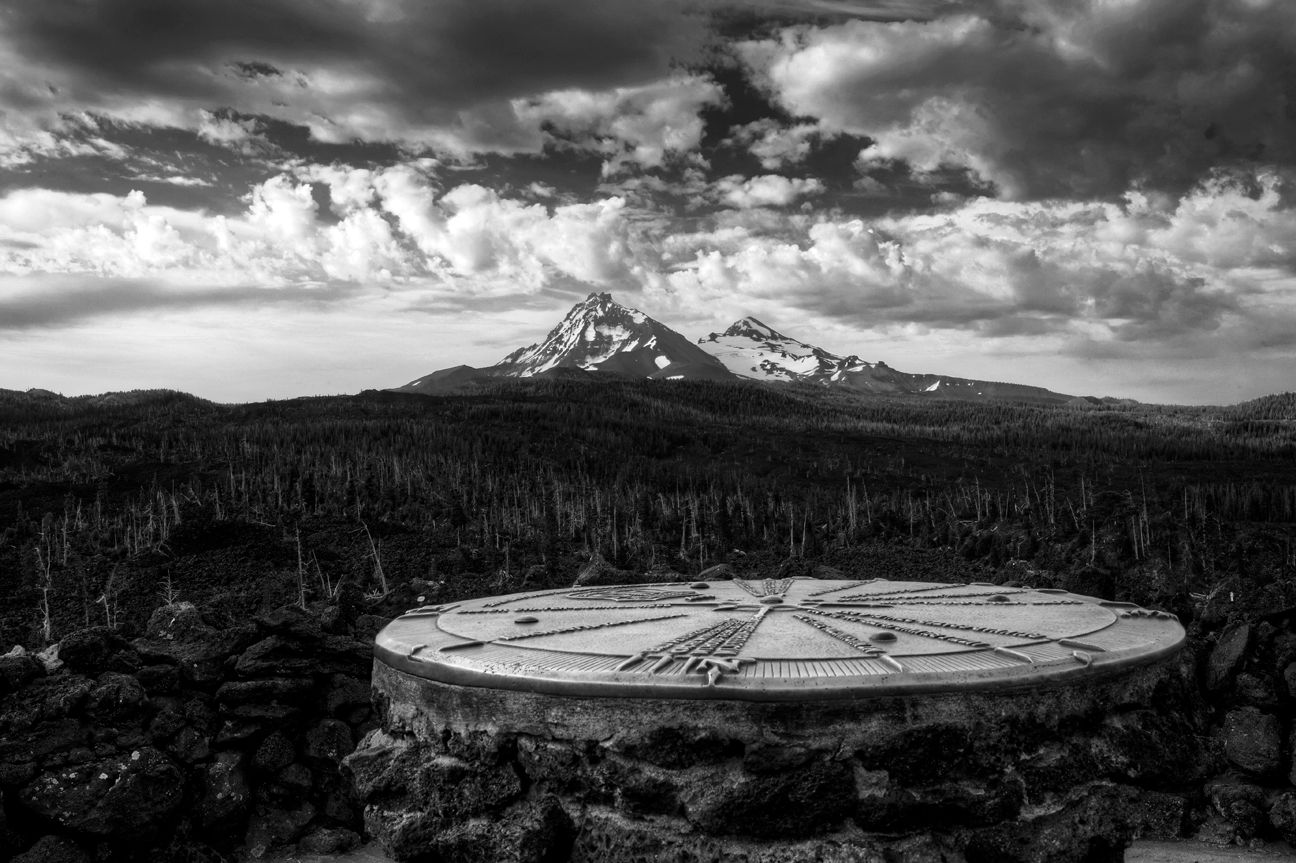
[{"x": 775, "y": 639}]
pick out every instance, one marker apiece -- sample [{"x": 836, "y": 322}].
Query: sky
[{"x": 296, "y": 197}]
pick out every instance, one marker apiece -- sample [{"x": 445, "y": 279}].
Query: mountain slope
[
  {"x": 599, "y": 337},
  {"x": 750, "y": 349},
  {"x": 754, "y": 350},
  {"x": 600, "y": 334}
]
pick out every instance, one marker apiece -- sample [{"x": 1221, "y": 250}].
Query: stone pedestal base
[{"x": 1062, "y": 772}]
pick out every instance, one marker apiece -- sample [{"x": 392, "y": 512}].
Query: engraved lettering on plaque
[
  {"x": 519, "y": 608},
  {"x": 586, "y": 627},
  {"x": 711, "y": 650},
  {"x": 630, "y": 593},
  {"x": 869, "y": 650},
  {"x": 766, "y": 587}
]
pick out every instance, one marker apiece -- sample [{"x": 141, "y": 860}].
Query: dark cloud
[
  {"x": 58, "y": 301},
  {"x": 1056, "y": 97},
  {"x": 359, "y": 66}
]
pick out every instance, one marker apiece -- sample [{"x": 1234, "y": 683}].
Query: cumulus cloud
[
  {"x": 766, "y": 190},
  {"x": 392, "y": 229},
  {"x": 633, "y": 126},
  {"x": 1140, "y": 270},
  {"x": 775, "y": 144},
  {"x": 242, "y": 134},
  {"x": 1063, "y": 97}
]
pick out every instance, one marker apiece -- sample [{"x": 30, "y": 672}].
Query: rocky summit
[{"x": 600, "y": 334}]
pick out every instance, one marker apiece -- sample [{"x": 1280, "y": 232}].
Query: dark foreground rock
[{"x": 195, "y": 740}]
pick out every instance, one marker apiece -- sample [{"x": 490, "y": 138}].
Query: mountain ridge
[{"x": 601, "y": 338}]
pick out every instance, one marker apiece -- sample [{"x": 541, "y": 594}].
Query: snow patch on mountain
[{"x": 752, "y": 349}]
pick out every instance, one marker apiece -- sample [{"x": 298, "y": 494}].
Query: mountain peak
[
  {"x": 752, "y": 328},
  {"x": 600, "y": 334},
  {"x": 601, "y": 305}
]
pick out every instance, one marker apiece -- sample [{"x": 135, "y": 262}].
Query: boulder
[
  {"x": 1282, "y": 815},
  {"x": 199, "y": 654},
  {"x": 271, "y": 827},
  {"x": 883, "y": 806},
  {"x": 1252, "y": 740},
  {"x": 329, "y": 740},
  {"x": 275, "y": 753},
  {"x": 1291, "y": 756},
  {"x": 87, "y": 650},
  {"x": 293, "y": 782},
  {"x": 17, "y": 669},
  {"x": 674, "y": 747},
  {"x": 115, "y": 697},
  {"x": 348, "y": 698},
  {"x": 124, "y": 796},
  {"x": 272, "y": 699},
  {"x": 411, "y": 792},
  {"x": 53, "y": 849},
  {"x": 291, "y": 621},
  {"x": 1096, "y": 822},
  {"x": 10, "y": 840},
  {"x": 1241, "y": 805},
  {"x": 327, "y": 841},
  {"x": 160, "y": 679},
  {"x": 278, "y": 654},
  {"x": 178, "y": 621},
  {"x": 1226, "y": 655},
  {"x": 779, "y": 804},
  {"x": 191, "y": 745},
  {"x": 223, "y": 792},
  {"x": 599, "y": 572},
  {"x": 661, "y": 574},
  {"x": 56, "y": 696},
  {"x": 719, "y": 572},
  {"x": 1255, "y": 689},
  {"x": 526, "y": 833}
]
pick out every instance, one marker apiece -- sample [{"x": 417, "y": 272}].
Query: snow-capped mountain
[
  {"x": 602, "y": 338},
  {"x": 754, "y": 350},
  {"x": 750, "y": 349},
  {"x": 600, "y": 334}
]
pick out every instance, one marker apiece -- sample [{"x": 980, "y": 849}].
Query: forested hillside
[{"x": 109, "y": 506}]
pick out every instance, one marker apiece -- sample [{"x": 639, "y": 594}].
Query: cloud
[
  {"x": 390, "y": 229},
  {"x": 766, "y": 190},
  {"x": 777, "y": 145},
  {"x": 633, "y": 126},
  {"x": 39, "y": 302},
  {"x": 441, "y": 75},
  {"x": 241, "y": 134},
  {"x": 1140, "y": 271},
  {"x": 1054, "y": 98}
]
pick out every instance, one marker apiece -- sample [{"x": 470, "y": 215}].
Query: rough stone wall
[
  {"x": 186, "y": 743},
  {"x": 958, "y": 778},
  {"x": 1248, "y": 677},
  {"x": 192, "y": 743}
]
